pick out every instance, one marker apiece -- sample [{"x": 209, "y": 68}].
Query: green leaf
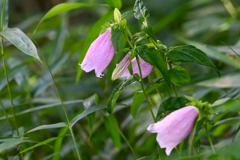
[
  {"x": 222, "y": 57},
  {"x": 49, "y": 126},
  {"x": 94, "y": 32},
  {"x": 59, "y": 143},
  {"x": 232, "y": 93},
  {"x": 89, "y": 102},
  {"x": 86, "y": 112},
  {"x": 40, "y": 144},
  {"x": 116, "y": 93},
  {"x": 137, "y": 102},
  {"x": 12, "y": 143},
  {"x": 111, "y": 124},
  {"x": 189, "y": 53},
  {"x": 114, "y": 3},
  {"x": 149, "y": 31},
  {"x": 179, "y": 76},
  {"x": 153, "y": 57},
  {"x": 64, "y": 7},
  {"x": 21, "y": 41},
  {"x": 169, "y": 105},
  {"x": 140, "y": 11},
  {"x": 116, "y": 36},
  {"x": 3, "y": 14}
]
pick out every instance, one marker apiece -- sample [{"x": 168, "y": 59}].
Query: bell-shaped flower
[
  {"x": 175, "y": 127},
  {"x": 146, "y": 68},
  {"x": 121, "y": 69},
  {"x": 99, "y": 54}
]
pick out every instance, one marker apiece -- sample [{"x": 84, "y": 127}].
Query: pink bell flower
[
  {"x": 146, "y": 68},
  {"x": 121, "y": 69},
  {"x": 99, "y": 54},
  {"x": 175, "y": 127}
]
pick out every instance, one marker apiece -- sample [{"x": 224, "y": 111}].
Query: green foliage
[
  {"x": 179, "y": 76},
  {"x": 21, "y": 41},
  {"x": 153, "y": 57},
  {"x": 171, "y": 104},
  {"x": 45, "y": 114},
  {"x": 188, "y": 53},
  {"x": 117, "y": 91},
  {"x": 114, "y": 3}
]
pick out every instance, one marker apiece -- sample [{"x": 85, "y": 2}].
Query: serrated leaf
[
  {"x": 111, "y": 124},
  {"x": 21, "y": 41},
  {"x": 189, "y": 53},
  {"x": 116, "y": 32},
  {"x": 116, "y": 93},
  {"x": 148, "y": 30},
  {"x": 169, "y": 105},
  {"x": 114, "y": 3},
  {"x": 49, "y": 126},
  {"x": 154, "y": 58},
  {"x": 211, "y": 52},
  {"x": 179, "y": 76},
  {"x": 140, "y": 11},
  {"x": 64, "y": 7},
  {"x": 137, "y": 102},
  {"x": 86, "y": 112},
  {"x": 94, "y": 32}
]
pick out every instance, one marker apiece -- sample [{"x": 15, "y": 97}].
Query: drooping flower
[
  {"x": 146, "y": 68},
  {"x": 175, "y": 127},
  {"x": 99, "y": 54},
  {"x": 121, "y": 69}
]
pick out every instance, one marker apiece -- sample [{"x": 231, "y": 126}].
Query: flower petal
[
  {"x": 99, "y": 54},
  {"x": 174, "y": 127},
  {"x": 146, "y": 68}
]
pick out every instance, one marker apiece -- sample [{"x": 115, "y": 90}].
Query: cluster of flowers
[
  {"x": 100, "y": 54},
  {"x": 173, "y": 128}
]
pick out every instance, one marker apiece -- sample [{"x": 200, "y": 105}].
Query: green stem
[
  {"x": 140, "y": 71},
  {"x": 4, "y": 112},
  {"x": 144, "y": 92},
  {"x": 64, "y": 110},
  {"x": 8, "y": 86},
  {"x": 209, "y": 139}
]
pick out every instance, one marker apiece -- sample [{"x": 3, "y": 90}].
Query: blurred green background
[{"x": 211, "y": 25}]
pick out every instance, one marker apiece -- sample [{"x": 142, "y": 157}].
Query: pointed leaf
[
  {"x": 137, "y": 102},
  {"x": 64, "y": 7},
  {"x": 40, "y": 144},
  {"x": 153, "y": 57},
  {"x": 179, "y": 76},
  {"x": 169, "y": 105},
  {"x": 114, "y": 3},
  {"x": 86, "y": 112},
  {"x": 116, "y": 37},
  {"x": 4, "y": 14},
  {"x": 116, "y": 93},
  {"x": 188, "y": 53},
  {"x": 111, "y": 124},
  {"x": 21, "y": 41},
  {"x": 211, "y": 52},
  {"x": 49, "y": 126},
  {"x": 140, "y": 11},
  {"x": 12, "y": 143}
]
